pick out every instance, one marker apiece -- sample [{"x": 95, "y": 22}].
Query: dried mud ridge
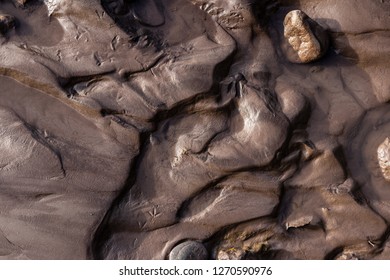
[{"x": 179, "y": 129}]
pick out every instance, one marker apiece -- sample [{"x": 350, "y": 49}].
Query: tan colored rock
[
  {"x": 384, "y": 158},
  {"x": 307, "y": 40},
  {"x": 231, "y": 254}
]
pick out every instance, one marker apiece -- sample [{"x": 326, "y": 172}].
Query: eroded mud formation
[{"x": 156, "y": 129}]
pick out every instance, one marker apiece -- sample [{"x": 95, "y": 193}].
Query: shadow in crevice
[{"x": 130, "y": 15}]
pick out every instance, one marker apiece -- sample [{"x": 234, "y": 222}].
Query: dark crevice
[
  {"x": 336, "y": 34},
  {"x": 384, "y": 238},
  {"x": 263, "y": 10},
  {"x": 68, "y": 83},
  {"x": 278, "y": 211},
  {"x": 334, "y": 253},
  {"x": 358, "y": 195}
]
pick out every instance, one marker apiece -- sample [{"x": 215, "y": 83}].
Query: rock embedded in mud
[
  {"x": 189, "y": 250},
  {"x": 7, "y": 22},
  {"x": 231, "y": 254},
  {"x": 307, "y": 40},
  {"x": 384, "y": 158}
]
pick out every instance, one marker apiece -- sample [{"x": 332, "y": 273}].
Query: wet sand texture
[{"x": 193, "y": 129}]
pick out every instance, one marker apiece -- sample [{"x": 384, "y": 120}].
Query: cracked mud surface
[{"x": 130, "y": 127}]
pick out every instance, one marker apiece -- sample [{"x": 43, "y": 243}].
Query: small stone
[
  {"x": 297, "y": 222},
  {"x": 231, "y": 254},
  {"x": 7, "y": 22},
  {"x": 307, "y": 40},
  {"x": 189, "y": 250},
  {"x": 384, "y": 158}
]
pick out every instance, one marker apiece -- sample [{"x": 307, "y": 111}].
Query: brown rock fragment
[{"x": 307, "y": 40}]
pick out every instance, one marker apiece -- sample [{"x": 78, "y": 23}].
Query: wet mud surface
[{"x": 180, "y": 129}]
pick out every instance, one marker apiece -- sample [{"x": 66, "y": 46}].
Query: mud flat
[{"x": 194, "y": 129}]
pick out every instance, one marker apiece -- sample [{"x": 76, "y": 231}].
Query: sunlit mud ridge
[{"x": 189, "y": 129}]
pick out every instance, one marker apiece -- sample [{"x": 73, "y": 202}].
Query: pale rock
[
  {"x": 189, "y": 250},
  {"x": 384, "y": 158},
  {"x": 307, "y": 40}
]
